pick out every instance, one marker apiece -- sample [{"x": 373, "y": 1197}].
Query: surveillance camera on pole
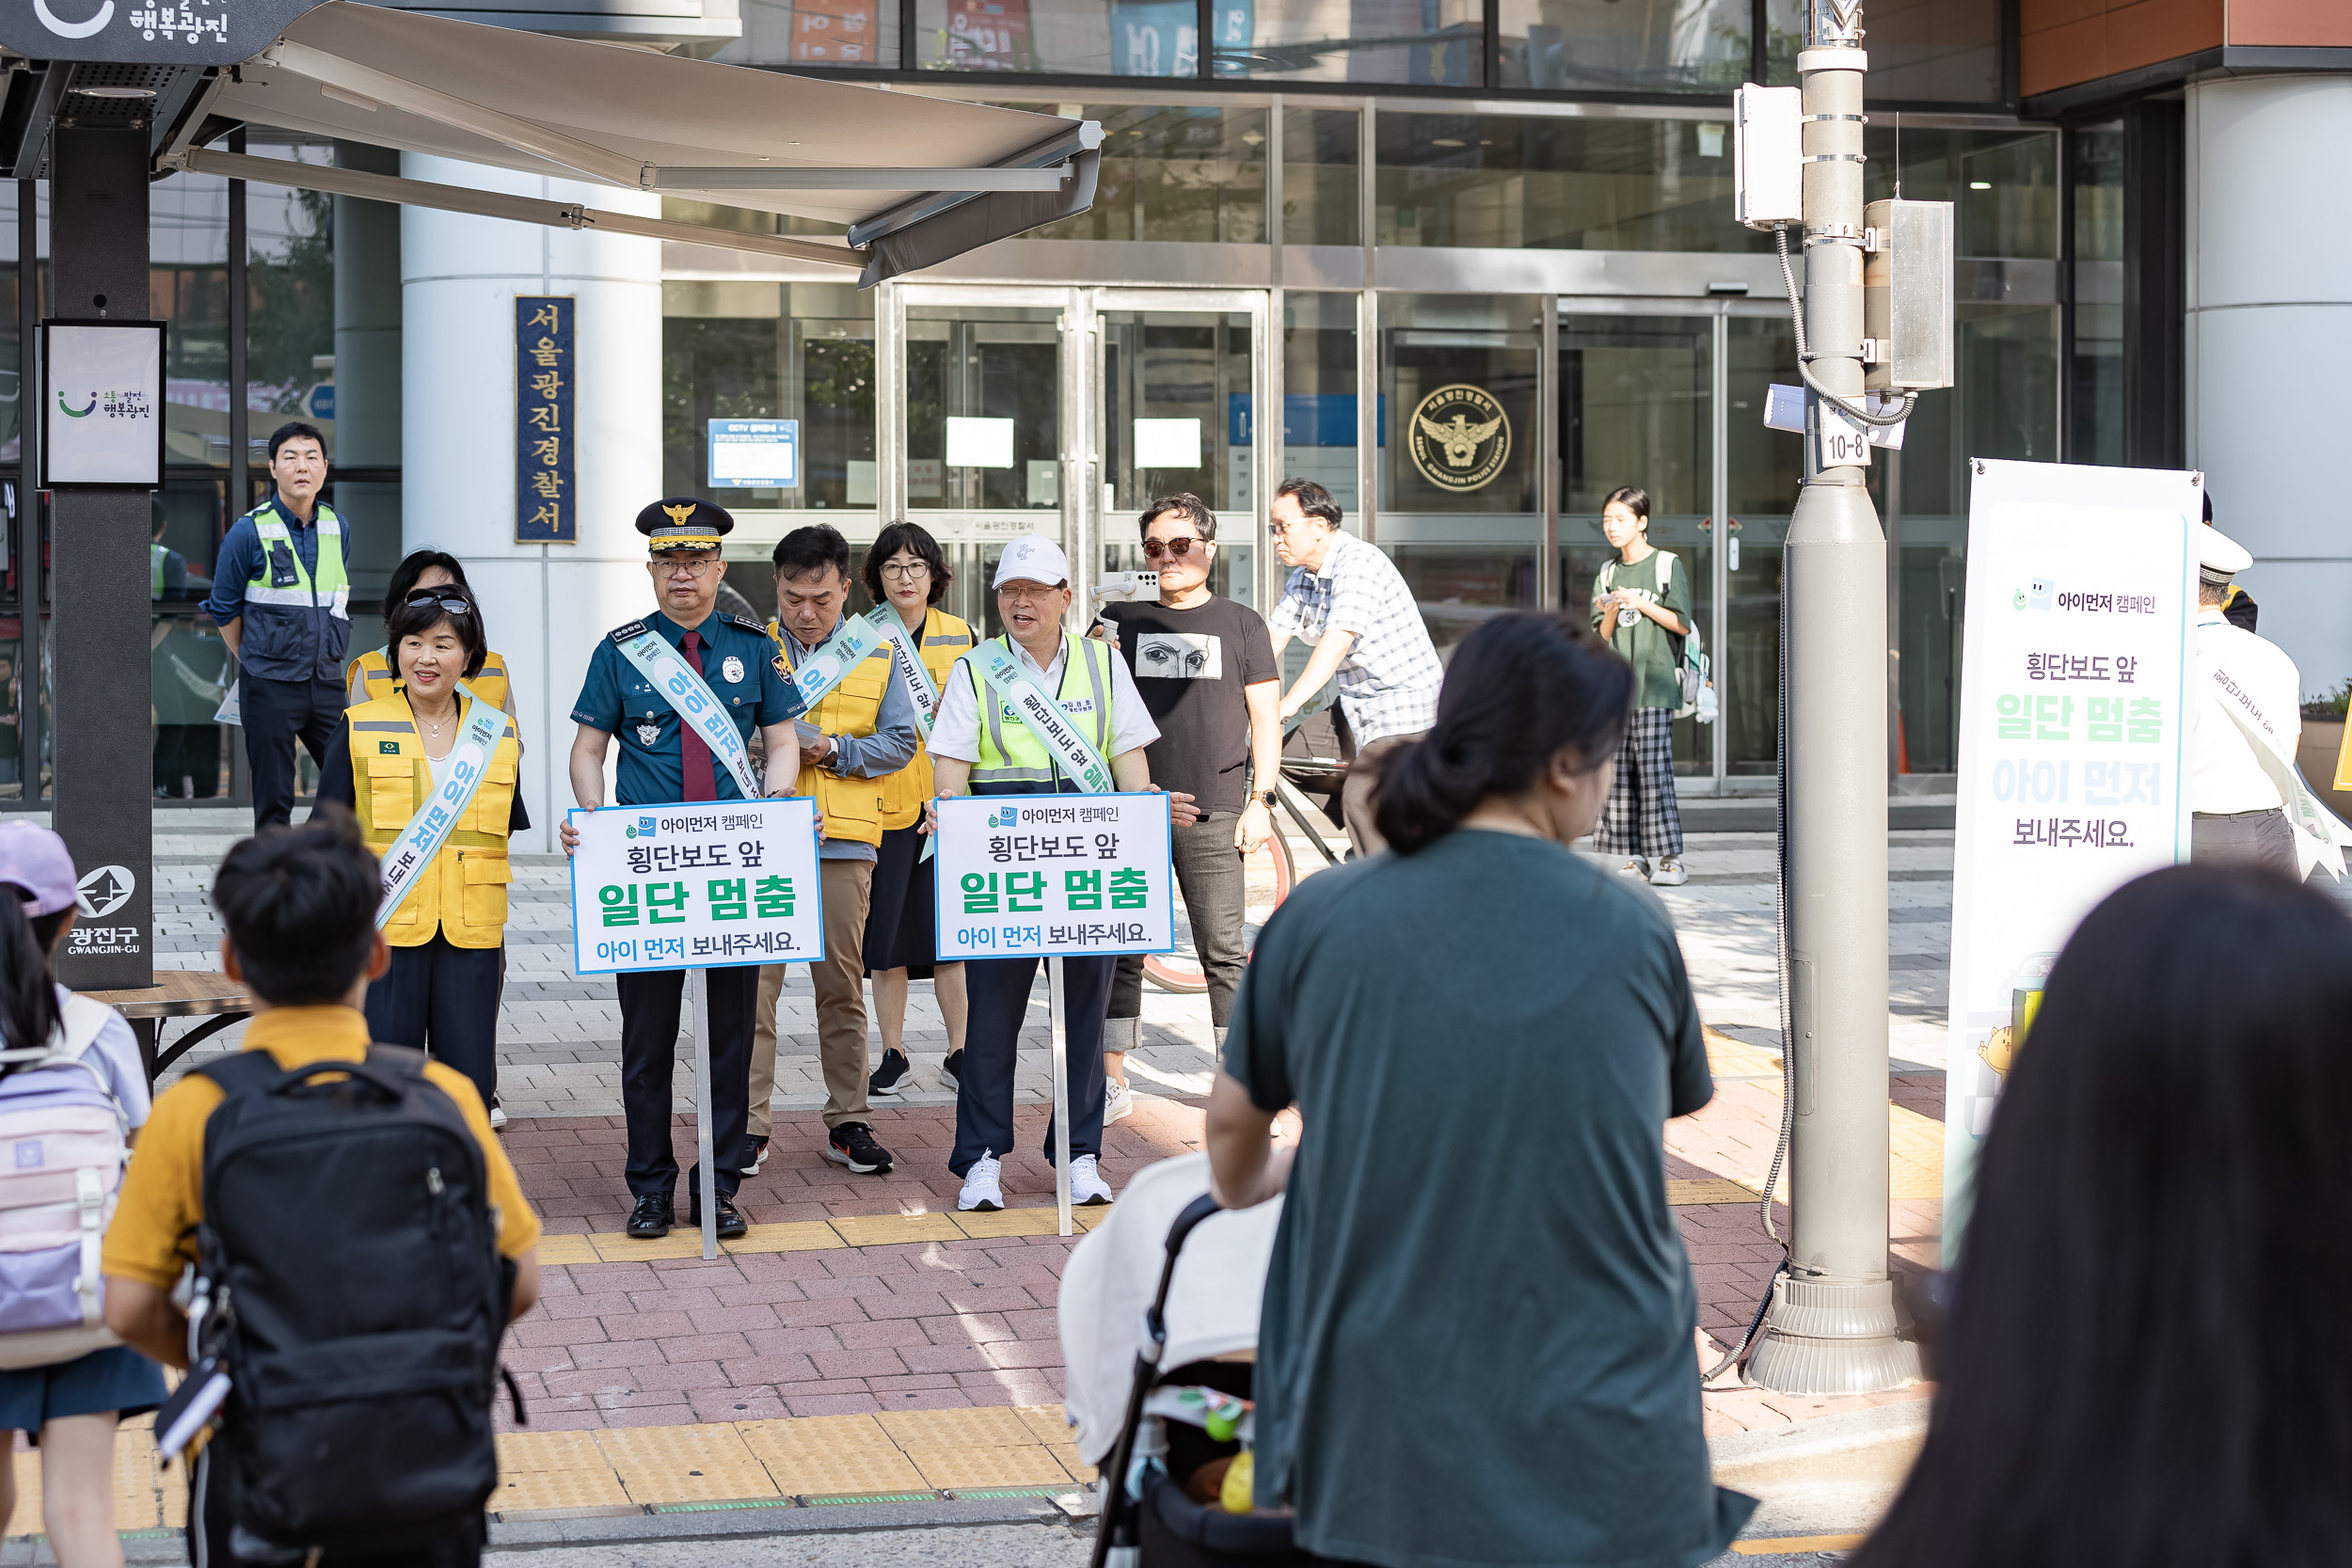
[{"x": 1873, "y": 327}]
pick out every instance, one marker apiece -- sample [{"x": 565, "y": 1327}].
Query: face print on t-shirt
[{"x": 1180, "y": 655}]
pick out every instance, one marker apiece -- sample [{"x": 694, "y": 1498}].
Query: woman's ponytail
[
  {"x": 1520, "y": 689},
  {"x": 29, "y": 997}
]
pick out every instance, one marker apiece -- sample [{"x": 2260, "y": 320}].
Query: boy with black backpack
[{"x": 358, "y": 1240}]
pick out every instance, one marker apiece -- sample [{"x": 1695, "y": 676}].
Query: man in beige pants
[{"x": 851, "y": 738}]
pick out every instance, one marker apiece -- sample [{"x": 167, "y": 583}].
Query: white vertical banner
[{"x": 2075, "y": 728}]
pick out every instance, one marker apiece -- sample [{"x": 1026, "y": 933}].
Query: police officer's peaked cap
[{"x": 684, "y": 523}]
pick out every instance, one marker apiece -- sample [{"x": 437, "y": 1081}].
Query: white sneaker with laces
[
  {"x": 983, "y": 1190},
  {"x": 1087, "y": 1190},
  {"x": 1670, "y": 873},
  {"x": 1118, "y": 1102},
  {"x": 498, "y": 1117}
]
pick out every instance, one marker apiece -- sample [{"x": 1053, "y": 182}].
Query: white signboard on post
[
  {"x": 701, "y": 886},
  {"x": 2073, "y": 744},
  {"x": 1054, "y": 876},
  {"x": 101, "y": 403}
]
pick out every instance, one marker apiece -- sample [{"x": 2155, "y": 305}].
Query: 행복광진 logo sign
[{"x": 1459, "y": 437}]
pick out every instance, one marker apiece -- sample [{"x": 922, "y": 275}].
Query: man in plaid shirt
[{"x": 1347, "y": 599}]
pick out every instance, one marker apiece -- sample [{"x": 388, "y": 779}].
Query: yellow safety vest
[
  {"x": 1011, "y": 759},
  {"x": 461, "y": 894},
  {"x": 370, "y": 677},
  {"x": 946, "y": 639},
  {"x": 851, "y": 807}
]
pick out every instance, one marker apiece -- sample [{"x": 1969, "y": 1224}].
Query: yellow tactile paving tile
[
  {"x": 997, "y": 1427},
  {"x": 845, "y": 1473},
  {"x": 892, "y": 1230},
  {"x": 1067, "y": 1454},
  {"x": 550, "y": 1450},
  {"x": 568, "y": 1250},
  {"x": 1730, "y": 1058},
  {"x": 797, "y": 1236},
  {"x": 1045, "y": 1422},
  {"x": 612, "y": 1247},
  {"x": 1711, "y": 1190},
  {"x": 537, "y": 1491},
  {"x": 685, "y": 1463},
  {"x": 1030, "y": 1464},
  {"x": 617, "y": 1248},
  {"x": 795, "y": 1435},
  {"x": 1914, "y": 1153},
  {"x": 1009, "y": 1221}
]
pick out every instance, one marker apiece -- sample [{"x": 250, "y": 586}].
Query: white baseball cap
[{"x": 1033, "y": 558}]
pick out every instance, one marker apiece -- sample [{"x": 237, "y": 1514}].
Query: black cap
[{"x": 684, "y": 523}]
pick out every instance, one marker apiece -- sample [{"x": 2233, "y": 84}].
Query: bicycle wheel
[{"x": 1268, "y": 876}]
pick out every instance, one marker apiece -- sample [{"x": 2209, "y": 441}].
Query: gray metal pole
[
  {"x": 1057, "y": 1048},
  {"x": 30, "y": 580},
  {"x": 105, "y": 745},
  {"x": 1833, "y": 1324},
  {"x": 698, "y": 988}
]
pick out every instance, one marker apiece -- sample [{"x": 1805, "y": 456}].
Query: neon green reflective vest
[{"x": 1013, "y": 760}]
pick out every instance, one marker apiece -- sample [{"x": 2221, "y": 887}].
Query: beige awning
[{"x": 927, "y": 174}]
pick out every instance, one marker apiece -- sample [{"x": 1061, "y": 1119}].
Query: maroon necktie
[{"x": 693, "y": 752}]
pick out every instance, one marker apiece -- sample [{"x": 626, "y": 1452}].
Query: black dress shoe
[
  {"x": 730, "y": 1222},
  {"x": 652, "y": 1218}
]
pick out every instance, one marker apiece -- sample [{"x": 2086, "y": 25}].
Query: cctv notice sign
[
  {"x": 2073, "y": 744},
  {"x": 1054, "y": 876},
  {"x": 706, "y": 885},
  {"x": 101, "y": 403}
]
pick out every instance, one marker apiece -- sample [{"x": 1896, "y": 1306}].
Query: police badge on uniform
[
  {"x": 732, "y": 669},
  {"x": 648, "y": 733}
]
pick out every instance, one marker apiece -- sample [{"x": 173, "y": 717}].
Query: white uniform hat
[
  {"x": 2219, "y": 556},
  {"x": 1033, "y": 558}
]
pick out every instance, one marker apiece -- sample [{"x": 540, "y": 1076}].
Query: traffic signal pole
[{"x": 1832, "y": 1328}]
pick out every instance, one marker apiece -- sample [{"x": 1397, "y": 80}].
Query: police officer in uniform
[
  {"x": 282, "y": 595},
  {"x": 663, "y": 764},
  {"x": 2236, "y": 810}
]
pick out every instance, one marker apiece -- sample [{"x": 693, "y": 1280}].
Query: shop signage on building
[
  {"x": 708, "y": 885},
  {"x": 546, "y": 493},
  {"x": 1058, "y": 876},
  {"x": 146, "y": 32},
  {"x": 2074, "y": 732},
  {"x": 1460, "y": 437}
]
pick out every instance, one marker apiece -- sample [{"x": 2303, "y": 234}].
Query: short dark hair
[
  {"x": 293, "y": 430},
  {"x": 1184, "y": 504},
  {"x": 419, "y": 618},
  {"x": 298, "y": 905},
  {"x": 2126, "y": 1375},
  {"x": 812, "y": 548},
  {"x": 1632, "y": 497},
  {"x": 1312, "y": 498},
  {"x": 913, "y": 537},
  {"x": 413, "y": 566}
]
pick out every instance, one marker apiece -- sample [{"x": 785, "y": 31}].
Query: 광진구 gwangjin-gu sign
[
  {"x": 545, "y": 442},
  {"x": 146, "y": 32}
]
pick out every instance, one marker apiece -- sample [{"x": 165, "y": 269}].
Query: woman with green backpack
[{"x": 1642, "y": 609}]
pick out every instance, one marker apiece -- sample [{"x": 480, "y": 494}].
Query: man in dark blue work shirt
[
  {"x": 281, "y": 595},
  {"x": 664, "y": 764}
]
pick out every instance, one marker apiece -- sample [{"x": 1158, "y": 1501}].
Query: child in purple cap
[{"x": 69, "y": 1408}]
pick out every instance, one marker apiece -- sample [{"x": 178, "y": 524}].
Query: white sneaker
[
  {"x": 1118, "y": 1102},
  {"x": 1670, "y": 873},
  {"x": 982, "y": 1189},
  {"x": 498, "y": 1117},
  {"x": 1087, "y": 1190}
]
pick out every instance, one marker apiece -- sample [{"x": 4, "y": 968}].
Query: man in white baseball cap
[
  {"x": 979, "y": 746},
  {"x": 2248, "y": 718}
]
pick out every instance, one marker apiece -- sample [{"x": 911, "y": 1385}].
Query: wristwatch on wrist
[{"x": 1267, "y": 797}]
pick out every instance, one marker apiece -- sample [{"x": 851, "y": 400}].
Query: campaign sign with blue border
[
  {"x": 712, "y": 884},
  {"x": 1054, "y": 876}
]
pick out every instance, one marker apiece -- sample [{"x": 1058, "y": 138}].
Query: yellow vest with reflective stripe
[
  {"x": 946, "y": 639},
  {"x": 461, "y": 894},
  {"x": 1010, "y": 756},
  {"x": 370, "y": 677},
  {"x": 851, "y": 807}
]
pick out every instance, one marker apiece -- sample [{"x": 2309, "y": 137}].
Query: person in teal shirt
[{"x": 662, "y": 764}]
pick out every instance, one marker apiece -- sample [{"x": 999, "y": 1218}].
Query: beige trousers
[{"x": 840, "y": 985}]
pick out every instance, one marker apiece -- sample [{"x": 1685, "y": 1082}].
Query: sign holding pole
[
  {"x": 2073, "y": 735},
  {"x": 1054, "y": 877},
  {"x": 709, "y": 884}
]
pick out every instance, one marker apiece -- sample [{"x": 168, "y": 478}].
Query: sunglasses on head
[
  {"x": 440, "y": 598},
  {"x": 1177, "y": 548}
]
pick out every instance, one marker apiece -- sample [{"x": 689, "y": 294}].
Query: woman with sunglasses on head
[
  {"x": 396, "y": 755},
  {"x": 906, "y": 570},
  {"x": 421, "y": 575}
]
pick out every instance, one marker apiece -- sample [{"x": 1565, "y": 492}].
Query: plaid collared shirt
[{"x": 1389, "y": 680}]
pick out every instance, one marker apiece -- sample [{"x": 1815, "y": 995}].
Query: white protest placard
[
  {"x": 2073, "y": 744},
  {"x": 706, "y": 885},
  {"x": 1054, "y": 876}
]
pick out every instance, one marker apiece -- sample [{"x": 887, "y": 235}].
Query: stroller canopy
[{"x": 1212, "y": 1304}]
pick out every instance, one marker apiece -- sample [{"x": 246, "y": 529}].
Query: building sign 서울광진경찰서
[
  {"x": 545, "y": 440},
  {"x": 1056, "y": 876},
  {"x": 705, "y": 885}
]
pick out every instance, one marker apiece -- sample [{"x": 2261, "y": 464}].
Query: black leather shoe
[
  {"x": 730, "y": 1221},
  {"x": 652, "y": 1218}
]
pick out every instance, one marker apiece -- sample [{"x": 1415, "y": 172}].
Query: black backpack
[{"x": 357, "y": 1299}]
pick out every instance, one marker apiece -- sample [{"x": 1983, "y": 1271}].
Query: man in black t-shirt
[{"x": 1205, "y": 666}]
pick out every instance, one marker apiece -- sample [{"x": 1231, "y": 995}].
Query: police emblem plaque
[{"x": 1459, "y": 437}]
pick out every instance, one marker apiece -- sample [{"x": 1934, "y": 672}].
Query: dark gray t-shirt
[
  {"x": 1194, "y": 669},
  {"x": 1477, "y": 1345}
]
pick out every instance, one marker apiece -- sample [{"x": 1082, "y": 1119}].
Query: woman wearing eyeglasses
[{"x": 906, "y": 570}]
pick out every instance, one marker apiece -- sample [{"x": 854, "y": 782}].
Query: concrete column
[
  {"x": 2269, "y": 331},
  {"x": 546, "y": 605}
]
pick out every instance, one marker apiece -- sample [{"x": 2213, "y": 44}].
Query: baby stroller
[{"x": 1164, "y": 1295}]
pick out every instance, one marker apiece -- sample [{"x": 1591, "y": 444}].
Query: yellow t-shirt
[{"x": 153, "y": 1233}]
